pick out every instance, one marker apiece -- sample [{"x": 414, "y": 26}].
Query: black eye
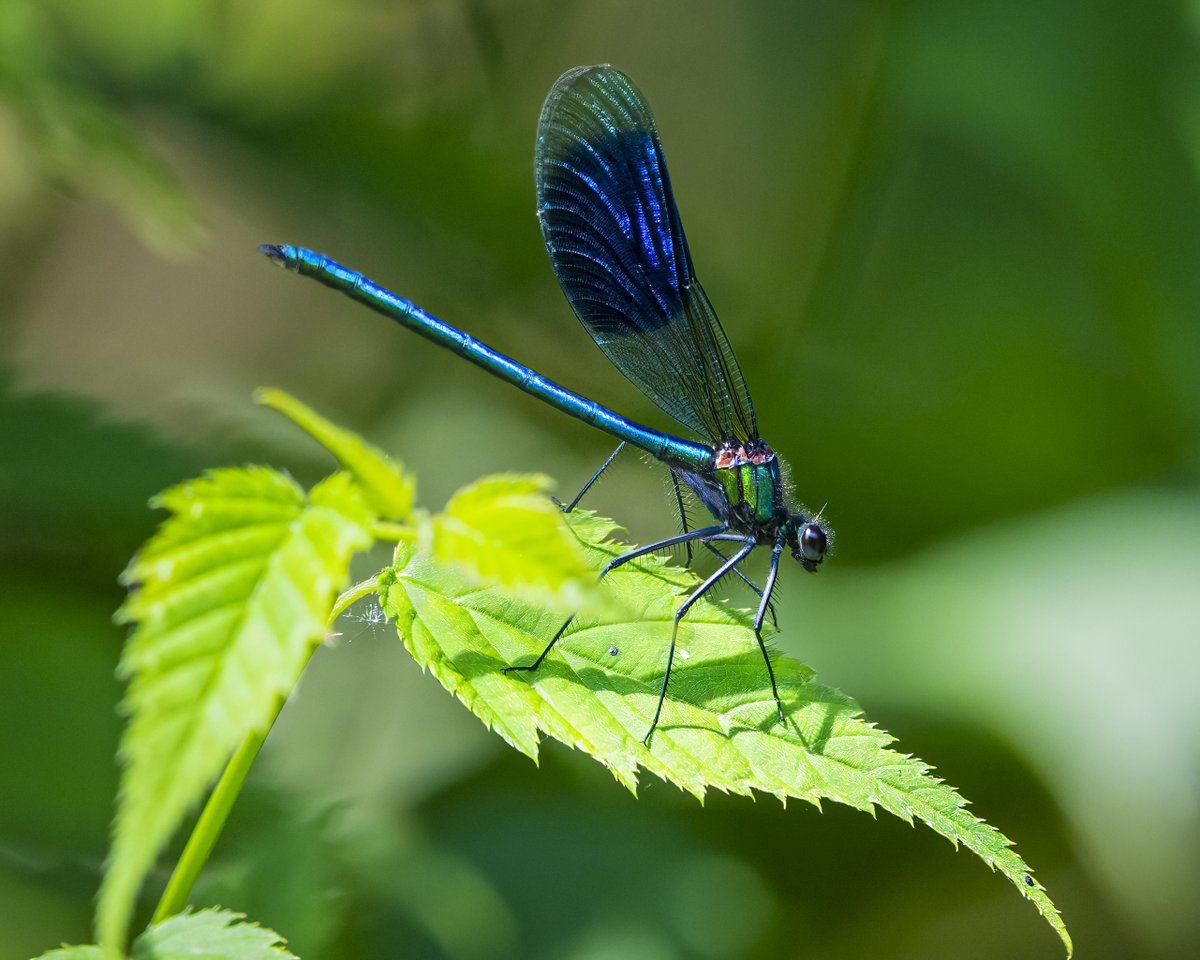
[{"x": 813, "y": 543}]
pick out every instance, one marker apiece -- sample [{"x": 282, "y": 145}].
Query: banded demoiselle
[{"x": 617, "y": 246}]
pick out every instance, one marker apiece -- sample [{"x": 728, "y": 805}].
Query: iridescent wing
[{"x": 618, "y": 249}]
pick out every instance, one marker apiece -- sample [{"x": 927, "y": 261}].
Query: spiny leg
[
  {"x": 712, "y": 531},
  {"x": 717, "y": 530},
  {"x": 696, "y": 594},
  {"x": 596, "y": 476},
  {"x": 683, "y": 517},
  {"x": 768, "y": 587},
  {"x": 747, "y": 581}
]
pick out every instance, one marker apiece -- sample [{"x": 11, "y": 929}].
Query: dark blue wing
[{"x": 618, "y": 249}]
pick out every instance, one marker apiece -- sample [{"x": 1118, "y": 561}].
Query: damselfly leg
[
  {"x": 747, "y": 581},
  {"x": 567, "y": 508},
  {"x": 716, "y": 530},
  {"x": 696, "y": 594}
]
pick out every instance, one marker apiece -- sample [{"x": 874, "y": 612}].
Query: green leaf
[
  {"x": 204, "y": 935},
  {"x": 504, "y": 530},
  {"x": 88, "y": 952},
  {"x": 388, "y": 489},
  {"x": 209, "y": 935},
  {"x": 598, "y": 689},
  {"x": 231, "y": 596}
]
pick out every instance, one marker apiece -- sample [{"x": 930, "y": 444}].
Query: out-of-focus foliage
[
  {"x": 488, "y": 522},
  {"x": 58, "y": 132},
  {"x": 955, "y": 247}
]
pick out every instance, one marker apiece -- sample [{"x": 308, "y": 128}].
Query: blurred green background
[{"x": 957, "y": 247}]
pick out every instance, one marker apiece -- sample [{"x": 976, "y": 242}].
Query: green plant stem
[
  {"x": 216, "y": 811},
  {"x": 352, "y": 595},
  {"x": 204, "y": 835},
  {"x": 393, "y": 532}
]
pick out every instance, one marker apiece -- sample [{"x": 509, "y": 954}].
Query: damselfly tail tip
[{"x": 278, "y": 253}]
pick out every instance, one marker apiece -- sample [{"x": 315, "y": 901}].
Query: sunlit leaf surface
[
  {"x": 505, "y": 530},
  {"x": 598, "y": 690},
  {"x": 85, "y": 952},
  {"x": 387, "y": 488}
]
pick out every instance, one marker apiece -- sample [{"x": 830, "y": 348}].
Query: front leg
[
  {"x": 768, "y": 587},
  {"x": 747, "y": 581},
  {"x": 730, "y": 564}
]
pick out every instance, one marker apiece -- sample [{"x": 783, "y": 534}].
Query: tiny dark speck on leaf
[
  {"x": 613, "y": 651},
  {"x": 1028, "y": 880}
]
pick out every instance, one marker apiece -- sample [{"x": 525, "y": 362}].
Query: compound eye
[{"x": 813, "y": 543}]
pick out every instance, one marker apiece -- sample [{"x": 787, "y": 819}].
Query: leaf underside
[{"x": 598, "y": 689}]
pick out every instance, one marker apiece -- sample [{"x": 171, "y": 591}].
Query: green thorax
[{"x": 752, "y": 482}]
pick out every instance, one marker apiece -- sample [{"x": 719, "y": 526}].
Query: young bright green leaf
[
  {"x": 209, "y": 935},
  {"x": 598, "y": 689},
  {"x": 388, "y": 489},
  {"x": 86, "y": 952},
  {"x": 231, "y": 596},
  {"x": 504, "y": 530}
]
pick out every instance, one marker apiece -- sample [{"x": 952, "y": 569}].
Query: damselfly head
[{"x": 811, "y": 542}]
